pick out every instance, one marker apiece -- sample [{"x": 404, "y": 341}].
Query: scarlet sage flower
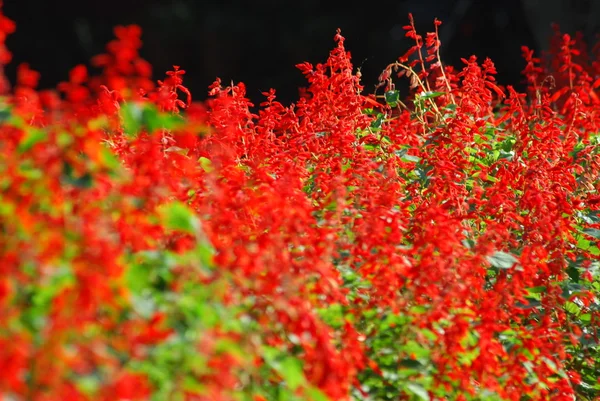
[{"x": 350, "y": 245}]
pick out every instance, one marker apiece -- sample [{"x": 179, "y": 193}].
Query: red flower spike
[{"x": 300, "y": 247}]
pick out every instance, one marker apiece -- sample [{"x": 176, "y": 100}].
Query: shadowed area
[{"x": 259, "y": 42}]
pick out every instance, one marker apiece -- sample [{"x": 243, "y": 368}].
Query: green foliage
[{"x": 138, "y": 117}]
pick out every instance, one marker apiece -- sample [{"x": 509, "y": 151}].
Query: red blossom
[{"x": 349, "y": 242}]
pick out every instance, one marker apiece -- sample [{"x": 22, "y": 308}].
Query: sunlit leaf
[{"x": 178, "y": 217}]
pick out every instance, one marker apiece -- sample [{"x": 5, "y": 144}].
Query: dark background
[{"x": 258, "y": 42}]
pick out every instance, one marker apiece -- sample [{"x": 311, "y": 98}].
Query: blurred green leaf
[
  {"x": 206, "y": 164},
  {"x": 32, "y": 137},
  {"x": 108, "y": 159},
  {"x": 289, "y": 368},
  {"x": 502, "y": 260},
  {"x": 131, "y": 114},
  {"x": 137, "y": 117},
  {"x": 4, "y": 115},
  {"x": 418, "y": 390},
  {"x": 291, "y": 371},
  {"x": 314, "y": 394},
  {"x": 411, "y": 158},
  {"x": 84, "y": 181},
  {"x": 178, "y": 217}
]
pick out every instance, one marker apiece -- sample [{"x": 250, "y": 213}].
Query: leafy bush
[{"x": 436, "y": 245}]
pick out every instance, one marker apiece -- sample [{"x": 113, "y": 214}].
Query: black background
[{"x": 258, "y": 42}]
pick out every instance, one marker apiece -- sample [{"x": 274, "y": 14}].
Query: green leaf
[
  {"x": 369, "y": 112},
  {"x": 155, "y": 120},
  {"x": 205, "y": 251},
  {"x": 88, "y": 385},
  {"x": 346, "y": 166},
  {"x": 314, "y": 394},
  {"x": 64, "y": 139},
  {"x": 590, "y": 217},
  {"x": 27, "y": 170},
  {"x": 206, "y": 164},
  {"x": 586, "y": 245},
  {"x": 573, "y": 273},
  {"x": 572, "y": 307},
  {"x": 137, "y": 277},
  {"x": 289, "y": 368},
  {"x": 178, "y": 150},
  {"x": 108, "y": 159},
  {"x": 418, "y": 390},
  {"x": 191, "y": 384},
  {"x": 537, "y": 290},
  {"x": 4, "y": 115},
  {"x": 570, "y": 289},
  {"x": 32, "y": 137},
  {"x": 60, "y": 280},
  {"x": 98, "y": 123},
  {"x": 410, "y": 159},
  {"x": 502, "y": 260},
  {"x": 419, "y": 351},
  {"x": 592, "y": 232},
  {"x": 594, "y": 250},
  {"x": 178, "y": 217},
  {"x": 136, "y": 116},
  {"x": 84, "y": 182},
  {"x": 411, "y": 364},
  {"x": 131, "y": 114},
  {"x": 531, "y": 303},
  {"x": 583, "y": 243},
  {"x": 376, "y": 124},
  {"x": 392, "y": 97},
  {"x": 291, "y": 371},
  {"x": 430, "y": 95}
]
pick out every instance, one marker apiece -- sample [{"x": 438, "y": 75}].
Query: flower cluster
[{"x": 440, "y": 245}]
